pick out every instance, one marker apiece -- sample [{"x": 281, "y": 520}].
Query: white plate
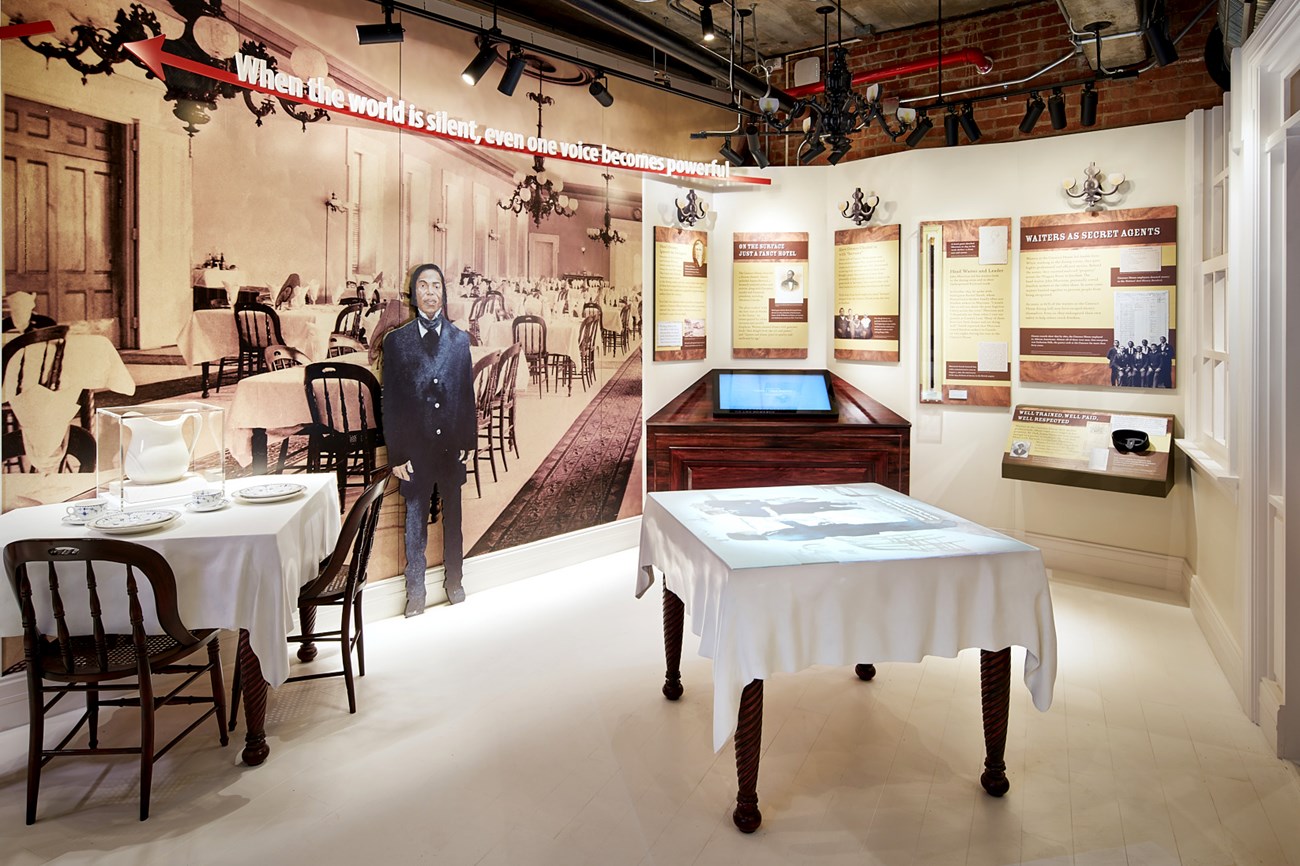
[
  {"x": 127, "y": 522},
  {"x": 202, "y": 509},
  {"x": 269, "y": 492}
]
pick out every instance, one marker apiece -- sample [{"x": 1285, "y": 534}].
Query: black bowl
[{"x": 1130, "y": 441}]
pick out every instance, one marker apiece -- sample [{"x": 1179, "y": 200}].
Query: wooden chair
[
  {"x": 339, "y": 583},
  {"x": 503, "y": 403},
  {"x": 346, "y": 420},
  {"x": 351, "y": 301},
  {"x": 281, "y": 357},
  {"x": 587, "y": 348},
  {"x": 35, "y": 322},
  {"x": 70, "y": 661},
  {"x": 36, "y": 358},
  {"x": 589, "y": 308},
  {"x": 78, "y": 454},
  {"x": 530, "y": 333},
  {"x": 258, "y": 326},
  {"x": 348, "y": 324},
  {"x": 485, "y": 384},
  {"x": 342, "y": 344},
  {"x": 612, "y": 339}
]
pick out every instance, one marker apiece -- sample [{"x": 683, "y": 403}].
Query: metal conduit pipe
[
  {"x": 973, "y": 56},
  {"x": 655, "y": 35}
]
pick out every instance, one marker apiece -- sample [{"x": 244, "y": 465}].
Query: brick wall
[{"x": 1021, "y": 40}]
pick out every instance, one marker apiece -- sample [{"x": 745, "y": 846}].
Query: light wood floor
[{"x": 526, "y": 727}]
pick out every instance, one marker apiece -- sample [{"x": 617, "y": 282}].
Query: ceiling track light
[
  {"x": 377, "y": 34},
  {"x": 487, "y": 55},
  {"x": 968, "y": 124},
  {"x": 730, "y": 155},
  {"x": 815, "y": 149},
  {"x": 1034, "y": 107},
  {"x": 950, "y": 126},
  {"x": 839, "y": 152},
  {"x": 599, "y": 90},
  {"x": 1088, "y": 105},
  {"x": 923, "y": 125},
  {"x": 1157, "y": 34},
  {"x": 1056, "y": 108},
  {"x": 756, "y": 146},
  {"x": 515, "y": 66},
  {"x": 706, "y": 20}
]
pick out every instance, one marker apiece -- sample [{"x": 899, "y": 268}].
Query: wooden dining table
[{"x": 239, "y": 568}]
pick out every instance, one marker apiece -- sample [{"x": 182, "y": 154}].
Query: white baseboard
[
  {"x": 1226, "y": 650},
  {"x": 387, "y": 597},
  {"x": 1153, "y": 570}
]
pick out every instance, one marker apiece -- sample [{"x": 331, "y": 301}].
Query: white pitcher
[{"x": 158, "y": 452}]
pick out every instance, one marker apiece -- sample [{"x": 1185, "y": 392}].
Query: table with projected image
[{"x": 777, "y": 579}]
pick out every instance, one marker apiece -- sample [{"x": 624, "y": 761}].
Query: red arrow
[
  {"x": 151, "y": 54},
  {"x": 32, "y": 28}
]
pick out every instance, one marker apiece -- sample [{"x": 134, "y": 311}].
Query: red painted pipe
[{"x": 981, "y": 61}]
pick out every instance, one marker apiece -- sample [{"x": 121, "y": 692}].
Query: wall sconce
[
  {"x": 332, "y": 204},
  {"x": 861, "y": 209},
  {"x": 1094, "y": 192},
  {"x": 493, "y": 235},
  {"x": 692, "y": 210},
  {"x": 439, "y": 225}
]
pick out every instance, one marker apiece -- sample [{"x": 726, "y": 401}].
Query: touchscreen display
[{"x": 744, "y": 392}]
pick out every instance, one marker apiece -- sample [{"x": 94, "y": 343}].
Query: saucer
[
  {"x": 69, "y": 520},
  {"x": 201, "y": 509}
]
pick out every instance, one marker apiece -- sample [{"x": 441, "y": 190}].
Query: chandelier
[
  {"x": 606, "y": 235},
  {"x": 208, "y": 38},
  {"x": 537, "y": 197}
]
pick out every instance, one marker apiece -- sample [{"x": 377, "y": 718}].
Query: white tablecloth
[
  {"x": 210, "y": 335},
  {"x": 561, "y": 335},
  {"x": 777, "y": 579},
  {"x": 241, "y": 567}
]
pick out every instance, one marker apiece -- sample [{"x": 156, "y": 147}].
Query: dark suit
[{"x": 429, "y": 419}]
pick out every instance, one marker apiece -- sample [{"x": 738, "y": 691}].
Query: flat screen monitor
[{"x": 750, "y": 393}]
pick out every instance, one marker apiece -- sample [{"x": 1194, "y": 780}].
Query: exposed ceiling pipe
[
  {"x": 654, "y": 34},
  {"x": 979, "y": 59}
]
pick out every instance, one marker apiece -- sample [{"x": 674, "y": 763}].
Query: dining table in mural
[
  {"x": 561, "y": 335},
  {"x": 777, "y": 579},
  {"x": 239, "y": 568},
  {"x": 210, "y": 335}
]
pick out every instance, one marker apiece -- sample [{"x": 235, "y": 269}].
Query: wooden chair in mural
[
  {"x": 348, "y": 324},
  {"x": 72, "y": 582},
  {"x": 503, "y": 405},
  {"x": 613, "y": 334},
  {"x": 34, "y": 358},
  {"x": 78, "y": 451},
  {"x": 346, "y": 421},
  {"x": 485, "y": 382},
  {"x": 587, "y": 347},
  {"x": 530, "y": 333},
  {"x": 283, "y": 358},
  {"x": 257, "y": 326},
  {"x": 36, "y": 321},
  {"x": 342, "y": 344}
]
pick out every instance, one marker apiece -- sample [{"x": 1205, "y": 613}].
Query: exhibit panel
[
  {"x": 681, "y": 288},
  {"x": 770, "y": 290},
  {"x": 867, "y": 279}
]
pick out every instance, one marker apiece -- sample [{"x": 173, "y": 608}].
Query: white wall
[{"x": 956, "y": 451}]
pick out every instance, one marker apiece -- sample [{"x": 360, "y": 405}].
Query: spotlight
[
  {"x": 1162, "y": 47},
  {"x": 924, "y": 125},
  {"x": 706, "y": 20},
  {"x": 756, "y": 146},
  {"x": 1088, "y": 105},
  {"x": 487, "y": 53},
  {"x": 968, "y": 124},
  {"x": 1056, "y": 108},
  {"x": 950, "y": 125},
  {"x": 600, "y": 91},
  {"x": 375, "y": 34},
  {"x": 1033, "y": 110},
  {"x": 816, "y": 149},
  {"x": 515, "y": 66},
  {"x": 839, "y": 153},
  {"x": 730, "y": 155}
]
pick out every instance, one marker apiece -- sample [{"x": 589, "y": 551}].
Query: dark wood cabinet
[{"x": 689, "y": 449}]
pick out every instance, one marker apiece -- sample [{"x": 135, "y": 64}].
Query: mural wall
[{"x": 137, "y": 218}]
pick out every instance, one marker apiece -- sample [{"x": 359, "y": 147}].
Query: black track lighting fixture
[
  {"x": 376, "y": 34},
  {"x": 1088, "y": 105},
  {"x": 923, "y": 125},
  {"x": 839, "y": 153},
  {"x": 816, "y": 149},
  {"x": 1157, "y": 33},
  {"x": 706, "y": 20},
  {"x": 756, "y": 146},
  {"x": 950, "y": 126},
  {"x": 487, "y": 54},
  {"x": 599, "y": 90},
  {"x": 1056, "y": 108},
  {"x": 1033, "y": 110},
  {"x": 730, "y": 155},
  {"x": 515, "y": 65},
  {"x": 968, "y": 124}
]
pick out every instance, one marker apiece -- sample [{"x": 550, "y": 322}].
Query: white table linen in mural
[
  {"x": 210, "y": 335},
  {"x": 561, "y": 335},
  {"x": 778, "y": 579},
  {"x": 237, "y": 568},
  {"x": 90, "y": 363}
]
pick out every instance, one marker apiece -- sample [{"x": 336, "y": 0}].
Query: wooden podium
[{"x": 689, "y": 449}]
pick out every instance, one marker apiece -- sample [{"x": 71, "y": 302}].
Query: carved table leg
[
  {"x": 995, "y": 694},
  {"x": 866, "y": 673},
  {"x": 307, "y": 622},
  {"x": 674, "y": 614},
  {"x": 749, "y": 734},
  {"x": 254, "y": 689}
]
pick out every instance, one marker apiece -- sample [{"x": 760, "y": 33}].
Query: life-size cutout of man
[{"x": 429, "y": 425}]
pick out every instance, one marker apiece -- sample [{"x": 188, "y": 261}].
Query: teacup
[
  {"x": 87, "y": 510},
  {"x": 209, "y": 497}
]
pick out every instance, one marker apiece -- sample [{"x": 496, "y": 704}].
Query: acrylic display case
[{"x": 159, "y": 452}]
